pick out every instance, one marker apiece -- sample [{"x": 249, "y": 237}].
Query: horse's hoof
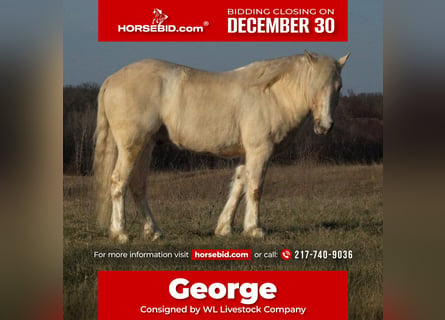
[
  {"x": 152, "y": 236},
  {"x": 120, "y": 238},
  {"x": 255, "y": 233},
  {"x": 157, "y": 235},
  {"x": 223, "y": 231}
]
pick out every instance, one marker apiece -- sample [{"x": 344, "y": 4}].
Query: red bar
[
  {"x": 230, "y": 20},
  {"x": 277, "y": 295},
  {"x": 221, "y": 254}
]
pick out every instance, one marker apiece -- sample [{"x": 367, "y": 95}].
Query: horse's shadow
[{"x": 326, "y": 225}]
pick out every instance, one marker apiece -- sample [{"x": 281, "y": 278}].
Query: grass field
[{"x": 303, "y": 207}]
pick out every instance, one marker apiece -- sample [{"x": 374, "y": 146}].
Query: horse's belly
[
  {"x": 231, "y": 152},
  {"x": 208, "y": 143},
  {"x": 204, "y": 129}
]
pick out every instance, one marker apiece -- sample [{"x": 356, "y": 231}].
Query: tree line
[{"x": 357, "y": 136}]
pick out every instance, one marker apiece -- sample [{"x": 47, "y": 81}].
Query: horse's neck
[
  {"x": 293, "y": 107},
  {"x": 286, "y": 116}
]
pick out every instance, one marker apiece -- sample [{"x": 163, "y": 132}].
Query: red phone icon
[{"x": 286, "y": 254}]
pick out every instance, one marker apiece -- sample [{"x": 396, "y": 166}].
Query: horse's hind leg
[
  {"x": 119, "y": 180},
  {"x": 138, "y": 187},
  {"x": 225, "y": 220}
]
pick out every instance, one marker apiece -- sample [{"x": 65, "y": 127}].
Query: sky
[{"x": 87, "y": 60}]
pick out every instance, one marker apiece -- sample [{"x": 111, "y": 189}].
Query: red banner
[
  {"x": 247, "y": 20},
  {"x": 223, "y": 295}
]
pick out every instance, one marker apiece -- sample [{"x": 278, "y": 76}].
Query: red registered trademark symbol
[
  {"x": 286, "y": 254},
  {"x": 205, "y": 23}
]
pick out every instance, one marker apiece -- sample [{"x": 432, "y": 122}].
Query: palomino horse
[{"x": 241, "y": 113}]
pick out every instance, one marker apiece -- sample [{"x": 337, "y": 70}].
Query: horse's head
[{"x": 325, "y": 86}]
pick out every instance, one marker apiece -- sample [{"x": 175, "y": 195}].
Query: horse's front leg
[
  {"x": 256, "y": 166},
  {"x": 225, "y": 220}
]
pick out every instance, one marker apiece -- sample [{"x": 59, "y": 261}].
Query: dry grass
[{"x": 304, "y": 207}]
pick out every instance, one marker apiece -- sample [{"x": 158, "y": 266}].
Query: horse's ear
[
  {"x": 343, "y": 59},
  {"x": 309, "y": 56}
]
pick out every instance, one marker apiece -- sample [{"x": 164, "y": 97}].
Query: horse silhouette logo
[{"x": 159, "y": 16}]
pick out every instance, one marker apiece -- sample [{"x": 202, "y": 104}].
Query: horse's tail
[{"x": 105, "y": 156}]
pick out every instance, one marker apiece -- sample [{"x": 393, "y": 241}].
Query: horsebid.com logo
[
  {"x": 159, "y": 16},
  {"x": 157, "y": 25}
]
